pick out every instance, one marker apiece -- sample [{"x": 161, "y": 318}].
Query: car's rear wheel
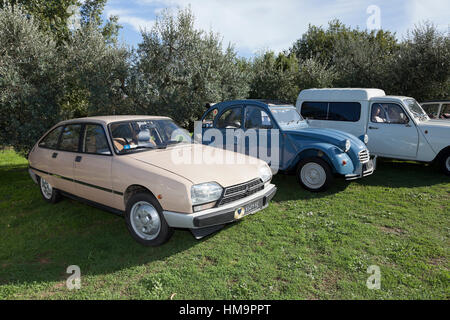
[
  {"x": 314, "y": 174},
  {"x": 145, "y": 220},
  {"x": 49, "y": 193},
  {"x": 445, "y": 163}
]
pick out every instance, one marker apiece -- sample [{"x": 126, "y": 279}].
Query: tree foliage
[{"x": 180, "y": 68}]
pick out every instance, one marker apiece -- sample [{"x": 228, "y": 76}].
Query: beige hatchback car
[{"x": 142, "y": 167}]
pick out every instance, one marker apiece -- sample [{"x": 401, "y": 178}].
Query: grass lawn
[{"x": 303, "y": 246}]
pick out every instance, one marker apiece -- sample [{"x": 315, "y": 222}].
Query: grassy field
[{"x": 304, "y": 246}]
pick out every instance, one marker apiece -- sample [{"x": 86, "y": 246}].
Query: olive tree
[
  {"x": 29, "y": 79},
  {"x": 179, "y": 68}
]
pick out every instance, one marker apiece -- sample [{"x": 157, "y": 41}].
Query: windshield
[
  {"x": 416, "y": 110},
  {"x": 288, "y": 117},
  {"x": 130, "y": 136}
]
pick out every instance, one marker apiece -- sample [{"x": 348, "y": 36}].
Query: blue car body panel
[{"x": 298, "y": 142}]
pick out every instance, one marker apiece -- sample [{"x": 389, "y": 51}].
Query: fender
[{"x": 330, "y": 153}]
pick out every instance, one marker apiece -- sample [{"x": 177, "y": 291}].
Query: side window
[
  {"x": 51, "y": 139},
  {"x": 315, "y": 110},
  {"x": 344, "y": 111},
  {"x": 95, "y": 140},
  {"x": 388, "y": 113},
  {"x": 209, "y": 118},
  {"x": 70, "y": 138},
  {"x": 432, "y": 110},
  {"x": 445, "y": 111},
  {"x": 256, "y": 118},
  {"x": 232, "y": 118}
]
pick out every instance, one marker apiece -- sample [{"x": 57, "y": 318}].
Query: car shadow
[{"x": 40, "y": 240}]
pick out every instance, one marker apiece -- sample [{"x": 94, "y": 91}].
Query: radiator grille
[
  {"x": 364, "y": 156},
  {"x": 241, "y": 191}
]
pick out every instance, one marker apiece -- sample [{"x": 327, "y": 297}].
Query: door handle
[
  {"x": 78, "y": 159},
  {"x": 373, "y": 128},
  {"x": 55, "y": 154}
]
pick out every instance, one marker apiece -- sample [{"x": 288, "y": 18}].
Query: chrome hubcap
[
  {"x": 313, "y": 175},
  {"x": 447, "y": 163},
  {"x": 46, "y": 188},
  {"x": 145, "y": 220}
]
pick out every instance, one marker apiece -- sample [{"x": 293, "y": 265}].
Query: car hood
[
  {"x": 332, "y": 136},
  {"x": 199, "y": 163}
]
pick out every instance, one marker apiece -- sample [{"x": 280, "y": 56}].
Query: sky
[{"x": 256, "y": 25}]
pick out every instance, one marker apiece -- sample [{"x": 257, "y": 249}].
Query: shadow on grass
[
  {"x": 38, "y": 241},
  {"x": 389, "y": 174}
]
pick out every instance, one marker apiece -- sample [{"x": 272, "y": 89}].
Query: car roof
[
  {"x": 259, "y": 102},
  {"x": 109, "y": 119},
  {"x": 436, "y": 101},
  {"x": 340, "y": 94}
]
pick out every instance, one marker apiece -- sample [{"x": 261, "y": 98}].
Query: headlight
[
  {"x": 365, "y": 138},
  {"x": 265, "y": 173},
  {"x": 347, "y": 145},
  {"x": 205, "y": 192}
]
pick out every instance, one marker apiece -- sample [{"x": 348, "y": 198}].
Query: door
[
  {"x": 257, "y": 139},
  {"x": 391, "y": 133},
  {"x": 230, "y": 124},
  {"x": 92, "y": 166},
  {"x": 62, "y": 160}
]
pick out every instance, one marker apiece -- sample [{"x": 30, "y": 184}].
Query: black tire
[
  {"x": 445, "y": 163},
  {"x": 324, "y": 165},
  {"x": 165, "y": 232},
  {"x": 55, "y": 195}
]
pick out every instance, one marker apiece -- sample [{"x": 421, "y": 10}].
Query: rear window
[
  {"x": 332, "y": 111},
  {"x": 315, "y": 110}
]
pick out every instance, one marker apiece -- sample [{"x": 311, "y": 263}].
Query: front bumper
[
  {"x": 32, "y": 175},
  {"x": 220, "y": 215},
  {"x": 366, "y": 169}
]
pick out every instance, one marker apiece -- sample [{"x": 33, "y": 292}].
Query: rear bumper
[
  {"x": 364, "y": 170},
  {"x": 221, "y": 215}
]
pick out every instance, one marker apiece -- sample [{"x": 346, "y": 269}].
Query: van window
[
  {"x": 315, "y": 110},
  {"x": 344, "y": 111},
  {"x": 432, "y": 110},
  {"x": 332, "y": 111}
]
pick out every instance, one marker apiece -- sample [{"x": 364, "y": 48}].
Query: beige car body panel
[{"x": 106, "y": 178}]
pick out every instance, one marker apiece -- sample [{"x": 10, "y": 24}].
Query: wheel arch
[
  {"x": 133, "y": 189},
  {"x": 313, "y": 152},
  {"x": 441, "y": 153}
]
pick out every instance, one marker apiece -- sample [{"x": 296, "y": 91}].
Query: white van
[{"x": 395, "y": 127}]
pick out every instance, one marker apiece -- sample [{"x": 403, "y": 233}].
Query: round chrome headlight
[
  {"x": 205, "y": 192},
  {"x": 265, "y": 173},
  {"x": 365, "y": 138},
  {"x": 348, "y": 144}
]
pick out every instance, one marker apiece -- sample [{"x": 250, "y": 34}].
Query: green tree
[
  {"x": 179, "y": 68},
  {"x": 422, "y": 66},
  {"x": 321, "y": 43}
]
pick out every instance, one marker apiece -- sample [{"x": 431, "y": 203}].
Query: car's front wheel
[
  {"x": 445, "y": 163},
  {"x": 145, "y": 220},
  {"x": 314, "y": 174},
  {"x": 49, "y": 193}
]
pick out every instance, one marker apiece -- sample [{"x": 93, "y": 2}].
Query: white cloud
[
  {"x": 436, "y": 11},
  {"x": 258, "y": 24},
  {"x": 129, "y": 17},
  {"x": 253, "y": 25}
]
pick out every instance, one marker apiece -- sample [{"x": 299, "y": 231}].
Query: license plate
[{"x": 248, "y": 209}]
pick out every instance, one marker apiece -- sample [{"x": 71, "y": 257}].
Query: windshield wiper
[{"x": 136, "y": 148}]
